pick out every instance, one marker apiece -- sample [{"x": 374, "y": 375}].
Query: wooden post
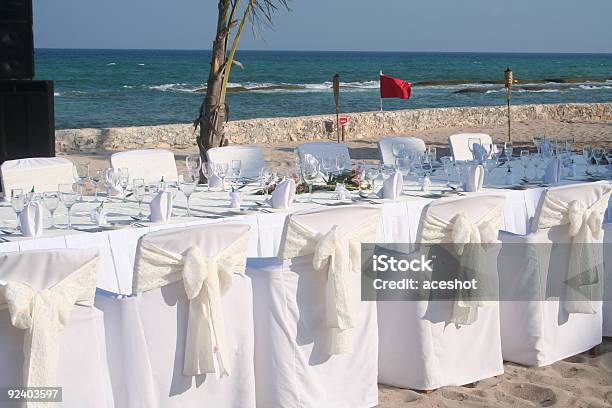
[
  {"x": 336, "y": 87},
  {"x": 509, "y": 80}
]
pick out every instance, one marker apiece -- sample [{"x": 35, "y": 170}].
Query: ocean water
[{"x": 109, "y": 88}]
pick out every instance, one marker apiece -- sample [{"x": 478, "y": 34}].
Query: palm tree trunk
[{"x": 212, "y": 113}]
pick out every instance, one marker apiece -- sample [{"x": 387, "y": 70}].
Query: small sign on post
[{"x": 342, "y": 122}]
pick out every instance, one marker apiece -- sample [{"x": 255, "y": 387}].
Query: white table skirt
[{"x": 118, "y": 247}]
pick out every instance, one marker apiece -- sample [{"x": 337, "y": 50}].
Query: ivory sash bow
[
  {"x": 585, "y": 267},
  {"x": 336, "y": 256},
  {"x": 465, "y": 235},
  {"x": 205, "y": 280},
  {"x": 43, "y": 313}
]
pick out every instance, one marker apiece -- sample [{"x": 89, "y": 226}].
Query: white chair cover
[
  {"x": 418, "y": 348},
  {"x": 191, "y": 317},
  {"x": 327, "y": 149},
  {"x": 42, "y": 173},
  {"x": 315, "y": 342},
  {"x": 459, "y": 144},
  {"x": 252, "y": 158},
  {"x": 607, "y": 293},
  {"x": 385, "y": 147},
  {"x": 62, "y": 342},
  {"x": 536, "y": 277},
  {"x": 148, "y": 164}
]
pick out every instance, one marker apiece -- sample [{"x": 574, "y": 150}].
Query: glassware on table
[
  {"x": 194, "y": 164},
  {"x": 188, "y": 187},
  {"x": 140, "y": 192},
  {"x": 447, "y": 163},
  {"x": 310, "y": 172},
  {"x": 208, "y": 173},
  {"x": 82, "y": 171},
  {"x": 124, "y": 181},
  {"x": 18, "y": 201},
  {"x": 341, "y": 160},
  {"x": 172, "y": 187},
  {"x": 68, "y": 196},
  {"x": 265, "y": 178},
  {"x": 96, "y": 177},
  {"x": 597, "y": 155},
  {"x": 51, "y": 201},
  {"x": 433, "y": 153},
  {"x": 220, "y": 170},
  {"x": 525, "y": 159},
  {"x": 586, "y": 156},
  {"x": 236, "y": 171}
]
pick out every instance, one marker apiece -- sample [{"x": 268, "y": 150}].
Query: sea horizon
[{"x": 138, "y": 87}]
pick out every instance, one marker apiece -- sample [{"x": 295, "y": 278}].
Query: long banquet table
[{"x": 118, "y": 244}]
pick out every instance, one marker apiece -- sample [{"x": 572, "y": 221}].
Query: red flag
[{"x": 394, "y": 88}]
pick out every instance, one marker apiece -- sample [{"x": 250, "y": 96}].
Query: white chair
[
  {"x": 186, "y": 337},
  {"x": 252, "y": 158},
  {"x": 427, "y": 344},
  {"x": 42, "y": 173},
  {"x": 315, "y": 347},
  {"x": 459, "y": 144},
  {"x": 551, "y": 279},
  {"x": 148, "y": 164},
  {"x": 385, "y": 147},
  {"x": 607, "y": 293},
  {"x": 325, "y": 149},
  {"x": 49, "y": 334}
]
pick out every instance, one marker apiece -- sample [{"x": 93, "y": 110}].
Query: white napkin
[
  {"x": 112, "y": 183},
  {"x": 31, "y": 219},
  {"x": 392, "y": 186},
  {"x": 552, "y": 175},
  {"x": 474, "y": 179},
  {"x": 283, "y": 194},
  {"x": 98, "y": 216},
  {"x": 214, "y": 181},
  {"x": 480, "y": 153},
  {"x": 235, "y": 199},
  {"x": 161, "y": 207}
]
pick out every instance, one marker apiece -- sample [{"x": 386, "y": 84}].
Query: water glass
[
  {"x": 524, "y": 157},
  {"x": 188, "y": 187},
  {"x": 51, "y": 201},
  {"x": 96, "y": 177},
  {"x": 310, "y": 172},
  {"x": 194, "y": 164},
  {"x": 139, "y": 194},
  {"x": 17, "y": 202},
  {"x": 68, "y": 196},
  {"x": 220, "y": 170},
  {"x": 82, "y": 177},
  {"x": 236, "y": 171}
]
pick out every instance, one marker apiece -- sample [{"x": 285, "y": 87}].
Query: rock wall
[{"x": 303, "y": 128}]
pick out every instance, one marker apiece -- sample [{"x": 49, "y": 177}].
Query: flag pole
[{"x": 381, "y": 99}]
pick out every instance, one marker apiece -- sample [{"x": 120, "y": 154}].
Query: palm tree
[{"x": 214, "y": 109}]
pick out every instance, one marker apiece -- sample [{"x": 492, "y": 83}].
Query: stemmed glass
[
  {"x": 188, "y": 187},
  {"x": 82, "y": 177},
  {"x": 236, "y": 170},
  {"x": 265, "y": 177},
  {"x": 340, "y": 163},
  {"x": 586, "y": 156},
  {"x": 310, "y": 172},
  {"x": 220, "y": 170},
  {"x": 207, "y": 171},
  {"x": 524, "y": 155},
  {"x": 140, "y": 191},
  {"x": 124, "y": 181},
  {"x": 446, "y": 165},
  {"x": 17, "y": 202},
  {"x": 326, "y": 166},
  {"x": 194, "y": 164},
  {"x": 69, "y": 197},
  {"x": 51, "y": 201},
  {"x": 95, "y": 178},
  {"x": 597, "y": 155}
]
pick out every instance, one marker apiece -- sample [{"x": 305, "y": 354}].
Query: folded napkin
[
  {"x": 392, "y": 186},
  {"x": 98, "y": 216},
  {"x": 474, "y": 179},
  {"x": 553, "y": 172},
  {"x": 31, "y": 219},
  {"x": 112, "y": 183},
  {"x": 214, "y": 181},
  {"x": 480, "y": 154},
  {"x": 341, "y": 192},
  {"x": 283, "y": 194},
  {"x": 161, "y": 207}
]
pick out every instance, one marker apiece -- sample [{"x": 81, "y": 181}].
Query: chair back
[
  {"x": 325, "y": 149},
  {"x": 252, "y": 158},
  {"x": 459, "y": 144},
  {"x": 148, "y": 164},
  {"x": 385, "y": 147},
  {"x": 42, "y": 173}
]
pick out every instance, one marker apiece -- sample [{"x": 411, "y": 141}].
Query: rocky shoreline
[{"x": 363, "y": 125}]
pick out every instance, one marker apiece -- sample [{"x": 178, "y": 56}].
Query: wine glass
[
  {"x": 524, "y": 157},
  {"x": 221, "y": 170},
  {"x": 597, "y": 155},
  {"x": 188, "y": 187},
  {"x": 265, "y": 178},
  {"x": 208, "y": 173},
  {"x": 95, "y": 178},
  {"x": 310, "y": 172},
  {"x": 17, "y": 202},
  {"x": 586, "y": 156},
  {"x": 139, "y": 194},
  {"x": 82, "y": 177},
  {"x": 194, "y": 164},
  {"x": 51, "y": 201},
  {"x": 236, "y": 170},
  {"x": 124, "y": 181},
  {"x": 446, "y": 166},
  {"x": 69, "y": 197}
]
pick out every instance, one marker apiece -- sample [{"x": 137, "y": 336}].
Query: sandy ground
[
  {"x": 281, "y": 156},
  {"x": 580, "y": 381}
]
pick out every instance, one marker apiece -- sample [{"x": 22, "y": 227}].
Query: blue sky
[{"x": 352, "y": 25}]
